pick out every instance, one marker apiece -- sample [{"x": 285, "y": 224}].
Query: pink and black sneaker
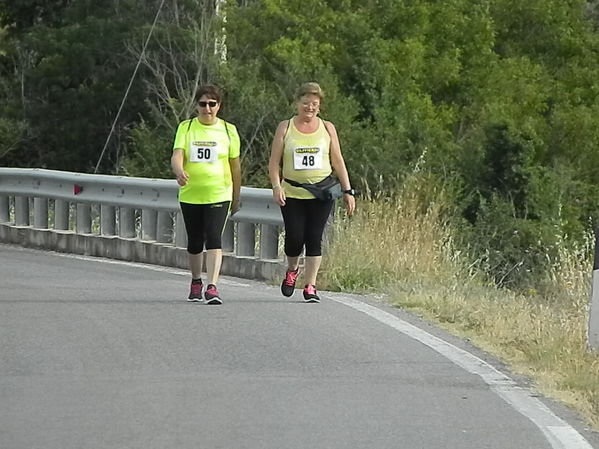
[
  {"x": 211, "y": 295},
  {"x": 195, "y": 291},
  {"x": 310, "y": 294},
  {"x": 288, "y": 285}
]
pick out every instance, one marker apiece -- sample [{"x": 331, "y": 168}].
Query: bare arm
[
  {"x": 274, "y": 164},
  {"x": 235, "y": 166},
  {"x": 338, "y": 164},
  {"x": 337, "y": 160},
  {"x": 177, "y": 166}
]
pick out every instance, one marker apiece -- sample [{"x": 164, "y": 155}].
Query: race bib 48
[{"x": 307, "y": 158}]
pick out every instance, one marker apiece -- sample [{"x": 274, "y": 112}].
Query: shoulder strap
[
  {"x": 227, "y": 130},
  {"x": 224, "y": 121},
  {"x": 189, "y": 124},
  {"x": 325, "y": 127},
  {"x": 287, "y": 128}
]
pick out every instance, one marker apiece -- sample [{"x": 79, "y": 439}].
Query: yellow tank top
[{"x": 306, "y": 158}]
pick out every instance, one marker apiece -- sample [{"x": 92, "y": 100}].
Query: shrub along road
[{"x": 109, "y": 355}]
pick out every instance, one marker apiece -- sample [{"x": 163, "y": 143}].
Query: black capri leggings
[
  {"x": 304, "y": 225},
  {"x": 204, "y": 224}
]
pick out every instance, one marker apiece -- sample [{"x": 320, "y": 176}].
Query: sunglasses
[{"x": 211, "y": 103}]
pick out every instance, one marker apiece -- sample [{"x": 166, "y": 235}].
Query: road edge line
[{"x": 560, "y": 434}]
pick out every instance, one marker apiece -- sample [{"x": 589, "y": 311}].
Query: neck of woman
[
  {"x": 306, "y": 123},
  {"x": 207, "y": 122}
]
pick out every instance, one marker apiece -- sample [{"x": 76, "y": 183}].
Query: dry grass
[
  {"x": 403, "y": 249},
  {"x": 386, "y": 240}
]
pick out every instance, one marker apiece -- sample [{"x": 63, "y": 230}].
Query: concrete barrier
[{"x": 132, "y": 219}]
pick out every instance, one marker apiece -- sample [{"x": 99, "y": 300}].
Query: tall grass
[
  {"x": 388, "y": 239},
  {"x": 404, "y": 248}
]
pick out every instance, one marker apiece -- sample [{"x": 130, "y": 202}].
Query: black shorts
[
  {"x": 305, "y": 221},
  {"x": 204, "y": 224}
]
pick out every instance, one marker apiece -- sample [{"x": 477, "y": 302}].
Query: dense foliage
[{"x": 495, "y": 101}]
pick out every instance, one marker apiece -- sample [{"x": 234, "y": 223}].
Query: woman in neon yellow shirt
[
  {"x": 205, "y": 161},
  {"x": 308, "y": 149}
]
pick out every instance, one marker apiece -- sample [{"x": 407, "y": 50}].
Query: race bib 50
[{"x": 203, "y": 152}]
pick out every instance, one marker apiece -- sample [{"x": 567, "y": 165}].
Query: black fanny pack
[{"x": 326, "y": 190}]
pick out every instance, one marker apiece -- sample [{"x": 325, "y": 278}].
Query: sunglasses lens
[{"x": 203, "y": 104}]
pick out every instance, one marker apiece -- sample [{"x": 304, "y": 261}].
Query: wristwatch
[{"x": 351, "y": 192}]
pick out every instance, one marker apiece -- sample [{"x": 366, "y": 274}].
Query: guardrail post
[
  {"x": 132, "y": 208},
  {"x": 61, "y": 215},
  {"x": 228, "y": 239},
  {"x": 21, "y": 211},
  {"x": 269, "y": 242},
  {"x": 83, "y": 223},
  {"x": 40, "y": 213},
  {"x": 246, "y": 239},
  {"x": 148, "y": 224},
  {"x": 4, "y": 209},
  {"x": 593, "y": 334},
  {"x": 180, "y": 232},
  {"x": 164, "y": 227},
  {"x": 107, "y": 220},
  {"x": 126, "y": 222}
]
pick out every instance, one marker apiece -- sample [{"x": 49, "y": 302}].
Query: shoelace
[
  {"x": 310, "y": 290},
  {"x": 291, "y": 277},
  {"x": 196, "y": 289},
  {"x": 212, "y": 291}
]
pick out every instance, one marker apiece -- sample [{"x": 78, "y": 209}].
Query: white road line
[
  {"x": 559, "y": 433},
  {"x": 171, "y": 270}
]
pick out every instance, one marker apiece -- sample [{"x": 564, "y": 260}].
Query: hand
[
  {"x": 278, "y": 195},
  {"x": 350, "y": 203},
  {"x": 234, "y": 206},
  {"x": 182, "y": 177}
]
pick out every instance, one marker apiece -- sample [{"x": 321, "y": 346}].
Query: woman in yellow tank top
[{"x": 308, "y": 149}]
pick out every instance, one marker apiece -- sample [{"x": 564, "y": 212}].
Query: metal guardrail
[
  {"x": 140, "y": 193},
  {"x": 148, "y": 210},
  {"x": 129, "y": 207}
]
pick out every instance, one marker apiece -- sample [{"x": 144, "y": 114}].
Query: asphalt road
[{"x": 98, "y": 354}]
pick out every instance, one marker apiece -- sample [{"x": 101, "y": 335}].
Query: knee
[
  {"x": 214, "y": 242},
  {"x": 195, "y": 247},
  {"x": 293, "y": 247},
  {"x": 313, "y": 249}
]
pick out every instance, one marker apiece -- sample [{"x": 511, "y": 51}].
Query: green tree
[
  {"x": 182, "y": 55},
  {"x": 496, "y": 99},
  {"x": 66, "y": 73}
]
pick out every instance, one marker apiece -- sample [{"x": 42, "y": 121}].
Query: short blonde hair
[{"x": 309, "y": 89}]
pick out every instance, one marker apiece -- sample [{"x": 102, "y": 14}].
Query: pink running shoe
[
  {"x": 195, "y": 291},
  {"x": 310, "y": 294},
  {"x": 211, "y": 295},
  {"x": 288, "y": 285}
]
